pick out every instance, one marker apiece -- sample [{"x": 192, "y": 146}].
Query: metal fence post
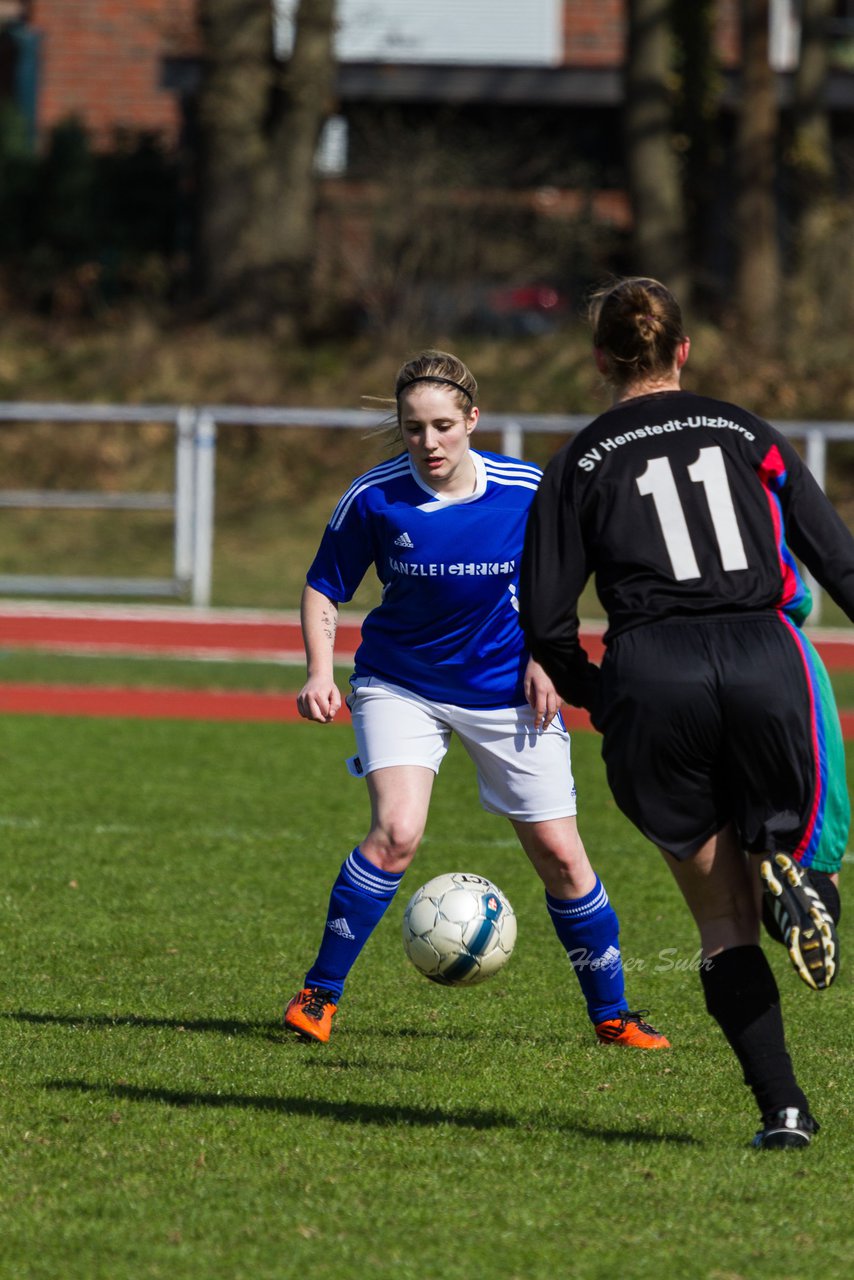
[
  {"x": 185, "y": 452},
  {"x": 203, "y": 515},
  {"x": 512, "y": 440},
  {"x": 816, "y": 456}
]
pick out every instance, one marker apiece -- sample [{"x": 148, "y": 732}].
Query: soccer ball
[{"x": 458, "y": 929}]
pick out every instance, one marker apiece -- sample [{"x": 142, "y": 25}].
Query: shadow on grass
[
  {"x": 223, "y": 1026},
  {"x": 360, "y": 1112},
  {"x": 501, "y": 1035},
  {"x": 273, "y": 1030}
]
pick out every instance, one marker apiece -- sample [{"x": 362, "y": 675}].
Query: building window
[{"x": 492, "y": 32}]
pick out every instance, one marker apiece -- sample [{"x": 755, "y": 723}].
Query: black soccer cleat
[
  {"x": 806, "y": 925},
  {"x": 787, "y": 1128}
]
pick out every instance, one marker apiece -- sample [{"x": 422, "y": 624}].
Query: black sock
[
  {"x": 742, "y": 996},
  {"x": 769, "y": 920}
]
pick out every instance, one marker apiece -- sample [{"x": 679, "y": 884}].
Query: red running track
[
  {"x": 169, "y": 633},
  {"x": 147, "y": 704},
  {"x": 169, "y": 704},
  {"x": 246, "y": 635}
]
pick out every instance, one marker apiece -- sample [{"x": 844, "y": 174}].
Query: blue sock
[
  {"x": 589, "y": 932},
  {"x": 357, "y": 903}
]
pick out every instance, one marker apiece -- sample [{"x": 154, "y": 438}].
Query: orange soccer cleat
[
  {"x": 310, "y": 1014},
  {"x": 630, "y": 1028}
]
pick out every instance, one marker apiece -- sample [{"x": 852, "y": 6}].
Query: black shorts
[{"x": 710, "y": 721}]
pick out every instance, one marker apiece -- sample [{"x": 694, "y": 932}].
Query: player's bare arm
[
  {"x": 543, "y": 697},
  {"x": 319, "y": 699}
]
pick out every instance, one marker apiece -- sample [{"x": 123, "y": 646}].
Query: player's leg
[
  {"x": 369, "y": 877},
  {"x": 679, "y": 771},
  {"x": 716, "y": 885},
  {"x": 526, "y": 776},
  {"x": 401, "y": 745},
  {"x": 587, "y": 927},
  {"x": 800, "y": 896},
  {"x": 362, "y": 892},
  {"x": 558, "y": 856},
  {"x": 740, "y": 990},
  {"x": 790, "y": 764}
]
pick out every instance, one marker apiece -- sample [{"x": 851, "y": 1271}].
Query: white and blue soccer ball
[{"x": 459, "y": 929}]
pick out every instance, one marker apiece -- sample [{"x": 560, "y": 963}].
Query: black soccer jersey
[{"x": 678, "y": 504}]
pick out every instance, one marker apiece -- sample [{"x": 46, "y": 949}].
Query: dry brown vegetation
[{"x": 275, "y": 488}]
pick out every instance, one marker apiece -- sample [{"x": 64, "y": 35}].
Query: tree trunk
[
  {"x": 303, "y": 102},
  {"x": 260, "y": 122},
  {"x": 697, "y": 136},
  {"x": 659, "y": 246},
  {"x": 758, "y": 250},
  {"x": 235, "y": 89},
  {"x": 811, "y": 157}
]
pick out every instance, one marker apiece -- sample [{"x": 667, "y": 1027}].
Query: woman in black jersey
[{"x": 719, "y": 731}]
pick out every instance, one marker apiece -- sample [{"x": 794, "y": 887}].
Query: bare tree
[
  {"x": 758, "y": 272},
  {"x": 812, "y": 126},
  {"x": 698, "y": 138},
  {"x": 260, "y": 120},
  {"x": 821, "y": 220},
  {"x": 659, "y": 242},
  {"x": 811, "y": 157}
]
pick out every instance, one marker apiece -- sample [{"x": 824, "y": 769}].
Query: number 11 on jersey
[{"x": 709, "y": 471}]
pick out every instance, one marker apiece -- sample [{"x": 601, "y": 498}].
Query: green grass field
[{"x": 163, "y": 888}]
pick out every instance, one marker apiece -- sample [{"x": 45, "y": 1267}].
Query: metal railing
[
  {"x": 182, "y": 501},
  {"x": 191, "y": 501}
]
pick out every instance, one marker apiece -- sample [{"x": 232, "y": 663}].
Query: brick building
[
  {"x": 103, "y": 61},
  {"x": 125, "y": 65},
  {"x": 490, "y": 79}
]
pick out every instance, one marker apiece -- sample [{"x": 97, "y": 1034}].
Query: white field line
[
  {"x": 199, "y": 653},
  {"x": 154, "y": 613}
]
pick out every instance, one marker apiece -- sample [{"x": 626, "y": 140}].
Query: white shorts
[{"x": 522, "y": 773}]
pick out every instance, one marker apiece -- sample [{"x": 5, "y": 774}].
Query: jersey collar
[{"x": 451, "y": 500}]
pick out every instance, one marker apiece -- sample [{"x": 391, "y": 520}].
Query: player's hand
[
  {"x": 543, "y": 697},
  {"x": 319, "y": 699}
]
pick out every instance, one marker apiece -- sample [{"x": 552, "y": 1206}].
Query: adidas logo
[
  {"x": 404, "y": 541},
  {"x": 609, "y": 959},
  {"x": 341, "y": 927}
]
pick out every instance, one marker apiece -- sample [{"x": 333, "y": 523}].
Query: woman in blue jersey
[
  {"x": 443, "y": 525},
  {"x": 720, "y": 735}
]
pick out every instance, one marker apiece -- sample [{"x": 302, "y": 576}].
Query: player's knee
[
  {"x": 564, "y": 869},
  {"x": 393, "y": 845},
  {"x": 566, "y": 854}
]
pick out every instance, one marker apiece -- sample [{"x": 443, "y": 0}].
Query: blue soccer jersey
[{"x": 447, "y": 627}]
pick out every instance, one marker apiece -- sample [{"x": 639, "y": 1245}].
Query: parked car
[{"x": 524, "y": 309}]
